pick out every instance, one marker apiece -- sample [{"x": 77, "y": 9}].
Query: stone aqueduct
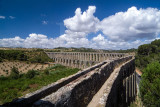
[
  {"x": 108, "y": 80},
  {"x": 81, "y": 59}
]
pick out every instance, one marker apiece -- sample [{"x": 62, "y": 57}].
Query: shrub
[
  {"x": 46, "y": 71},
  {"x": 156, "y": 42},
  {"x": 39, "y": 50},
  {"x": 1, "y": 60},
  {"x": 21, "y": 57},
  {"x": 6, "y": 71},
  {"x": 57, "y": 66},
  {"x": 150, "y": 85},
  {"x": 13, "y": 55},
  {"x": 31, "y": 73},
  {"x": 24, "y": 87},
  {"x": 40, "y": 57},
  {"x": 14, "y": 73}
]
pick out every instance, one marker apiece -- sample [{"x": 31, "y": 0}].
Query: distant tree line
[
  {"x": 148, "y": 53},
  {"x": 121, "y": 51},
  {"x": 82, "y": 49},
  {"x": 39, "y": 57},
  {"x": 13, "y": 55},
  {"x": 36, "y": 56},
  {"x": 71, "y": 49}
]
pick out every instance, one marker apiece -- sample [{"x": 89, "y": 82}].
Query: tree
[
  {"x": 30, "y": 74},
  {"x": 1, "y": 60},
  {"x": 144, "y": 49},
  {"x": 147, "y": 49},
  {"x": 13, "y": 55},
  {"x": 14, "y": 73},
  {"x": 46, "y": 71},
  {"x": 156, "y": 42},
  {"x": 21, "y": 57},
  {"x": 150, "y": 85},
  {"x": 154, "y": 48}
]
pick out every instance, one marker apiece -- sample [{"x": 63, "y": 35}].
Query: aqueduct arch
[{"x": 82, "y": 59}]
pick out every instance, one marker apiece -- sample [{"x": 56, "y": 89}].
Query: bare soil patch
[{"x": 23, "y": 67}]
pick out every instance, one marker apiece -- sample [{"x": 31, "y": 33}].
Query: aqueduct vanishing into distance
[
  {"x": 81, "y": 59},
  {"x": 106, "y": 80}
]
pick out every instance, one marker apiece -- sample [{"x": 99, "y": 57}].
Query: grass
[{"x": 14, "y": 88}]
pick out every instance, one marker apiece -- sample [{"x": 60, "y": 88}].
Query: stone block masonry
[{"x": 120, "y": 89}]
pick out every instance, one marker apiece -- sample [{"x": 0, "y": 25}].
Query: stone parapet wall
[{"x": 121, "y": 90}]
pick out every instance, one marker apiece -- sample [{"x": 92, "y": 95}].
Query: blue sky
[{"x": 45, "y": 19}]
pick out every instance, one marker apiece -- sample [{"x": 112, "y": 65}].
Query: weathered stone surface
[{"x": 114, "y": 94}]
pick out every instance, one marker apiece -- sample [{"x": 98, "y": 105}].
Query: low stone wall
[{"x": 123, "y": 89}]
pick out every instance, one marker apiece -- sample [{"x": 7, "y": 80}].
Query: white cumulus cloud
[
  {"x": 132, "y": 25},
  {"x": 83, "y": 22},
  {"x": 12, "y": 42}
]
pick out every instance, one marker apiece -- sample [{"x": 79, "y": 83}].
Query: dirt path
[{"x": 138, "y": 71}]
